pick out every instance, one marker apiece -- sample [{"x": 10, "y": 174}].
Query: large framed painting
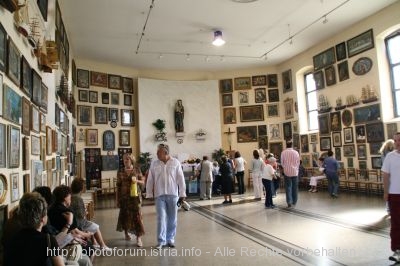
[
  {"x": 3, "y": 48},
  {"x": 360, "y": 43},
  {"x": 82, "y": 76},
  {"x": 84, "y": 115},
  {"x": 225, "y": 85},
  {"x": 13, "y": 62},
  {"x": 375, "y": 132},
  {"x": 98, "y": 79},
  {"x": 287, "y": 80},
  {"x": 324, "y": 59},
  {"x": 229, "y": 115},
  {"x": 287, "y": 130},
  {"x": 323, "y": 122},
  {"x": 26, "y": 82},
  {"x": 14, "y": 146},
  {"x": 243, "y": 83},
  {"x": 3, "y": 141},
  {"x": 251, "y": 113},
  {"x": 391, "y": 129},
  {"x": 108, "y": 140},
  {"x": 12, "y": 105},
  {"x": 246, "y": 134},
  {"x": 365, "y": 114},
  {"x": 336, "y": 122},
  {"x": 288, "y": 104}
]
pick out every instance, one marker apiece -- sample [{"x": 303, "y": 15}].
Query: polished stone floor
[{"x": 350, "y": 230}]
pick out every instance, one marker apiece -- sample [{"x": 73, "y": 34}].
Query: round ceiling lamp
[{"x": 218, "y": 41}]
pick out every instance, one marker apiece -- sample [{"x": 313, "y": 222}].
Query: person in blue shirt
[{"x": 331, "y": 171}]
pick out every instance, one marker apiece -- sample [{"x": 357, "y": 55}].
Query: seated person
[
  {"x": 79, "y": 211},
  {"x": 29, "y": 246},
  {"x": 315, "y": 178}
]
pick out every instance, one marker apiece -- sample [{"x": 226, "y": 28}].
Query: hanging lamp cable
[{"x": 144, "y": 26}]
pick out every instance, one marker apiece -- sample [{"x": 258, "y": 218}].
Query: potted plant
[
  {"x": 217, "y": 155},
  {"x": 159, "y": 124},
  {"x": 144, "y": 161}
]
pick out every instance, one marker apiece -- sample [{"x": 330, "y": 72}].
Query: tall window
[
  {"x": 312, "y": 104},
  {"x": 393, "y": 53}
]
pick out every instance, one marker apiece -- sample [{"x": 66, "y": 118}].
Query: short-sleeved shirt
[
  {"x": 391, "y": 165},
  {"x": 57, "y": 218}
]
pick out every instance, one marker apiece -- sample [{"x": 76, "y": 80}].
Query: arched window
[{"x": 393, "y": 53}]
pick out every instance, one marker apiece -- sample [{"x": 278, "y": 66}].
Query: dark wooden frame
[
  {"x": 105, "y": 98},
  {"x": 92, "y": 137},
  {"x": 100, "y": 115},
  {"x": 26, "y": 81},
  {"x": 108, "y": 140},
  {"x": 361, "y": 135},
  {"x": 287, "y": 81},
  {"x": 375, "y": 132},
  {"x": 360, "y": 43},
  {"x": 14, "y": 187},
  {"x": 93, "y": 97},
  {"x": 330, "y": 75},
  {"x": 347, "y": 117},
  {"x": 3, "y": 48},
  {"x": 251, "y": 113},
  {"x": 127, "y": 85},
  {"x": 250, "y": 132},
  {"x": 124, "y": 138},
  {"x": 82, "y": 76},
  {"x": 44, "y": 90},
  {"x": 12, "y": 113},
  {"x": 319, "y": 80},
  {"x": 362, "y": 66},
  {"x": 125, "y": 122},
  {"x": 337, "y": 139},
  {"x": 260, "y": 80},
  {"x": 227, "y": 99},
  {"x": 273, "y": 95},
  {"x": 128, "y": 99},
  {"x": 361, "y": 151},
  {"x": 324, "y": 59},
  {"x": 338, "y": 125},
  {"x": 84, "y": 117},
  {"x": 36, "y": 88},
  {"x": 272, "y": 80},
  {"x": 260, "y": 95},
  {"x": 13, "y": 62},
  {"x": 369, "y": 113},
  {"x": 229, "y": 115},
  {"x": 242, "y": 83},
  {"x": 272, "y": 110},
  {"x": 98, "y": 79},
  {"x": 349, "y": 150},
  {"x": 83, "y": 95},
  {"x": 376, "y": 162},
  {"x": 343, "y": 70},
  {"x": 288, "y": 107},
  {"x": 114, "y": 98},
  {"x": 391, "y": 129},
  {"x": 225, "y": 86},
  {"x": 341, "y": 51},
  {"x": 26, "y": 117},
  {"x": 3, "y": 145},
  {"x": 111, "y": 113},
  {"x": 325, "y": 143},
  {"x": 114, "y": 81},
  {"x": 324, "y": 124}
]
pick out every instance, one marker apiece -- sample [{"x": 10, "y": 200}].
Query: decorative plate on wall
[
  {"x": 362, "y": 66},
  {"x": 347, "y": 117},
  {"x": 3, "y": 188}
]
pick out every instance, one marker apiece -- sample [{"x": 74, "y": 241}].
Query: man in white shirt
[{"x": 165, "y": 182}]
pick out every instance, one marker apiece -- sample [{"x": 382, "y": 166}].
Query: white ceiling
[{"x": 178, "y": 33}]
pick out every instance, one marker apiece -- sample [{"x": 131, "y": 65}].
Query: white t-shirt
[
  {"x": 240, "y": 162},
  {"x": 268, "y": 172},
  {"x": 391, "y": 165}
]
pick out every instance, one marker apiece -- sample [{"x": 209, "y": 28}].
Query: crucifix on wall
[{"x": 229, "y": 134}]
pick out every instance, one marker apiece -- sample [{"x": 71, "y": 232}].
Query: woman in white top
[
  {"x": 239, "y": 168},
  {"x": 256, "y": 164},
  {"x": 314, "y": 179},
  {"x": 268, "y": 173}
]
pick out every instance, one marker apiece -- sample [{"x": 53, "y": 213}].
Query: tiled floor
[{"x": 350, "y": 230}]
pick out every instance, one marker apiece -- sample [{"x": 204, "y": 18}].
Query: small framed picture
[
  {"x": 127, "y": 85},
  {"x": 84, "y": 115},
  {"x": 260, "y": 80},
  {"x": 343, "y": 70},
  {"x": 243, "y": 97},
  {"x": 26, "y": 116},
  {"x": 229, "y": 115},
  {"x": 349, "y": 150},
  {"x": 114, "y": 81},
  {"x": 341, "y": 52},
  {"x": 287, "y": 80},
  {"x": 330, "y": 76},
  {"x": 348, "y": 135},
  {"x": 83, "y": 95},
  {"x": 243, "y": 83},
  {"x": 93, "y": 97},
  {"x": 100, "y": 116},
  {"x": 391, "y": 129},
  {"x": 113, "y": 114},
  {"x": 108, "y": 140},
  {"x": 105, "y": 98},
  {"x": 272, "y": 80},
  {"x": 82, "y": 78},
  {"x": 227, "y": 99},
  {"x": 288, "y": 103},
  {"x": 336, "y": 124},
  {"x": 361, "y": 151},
  {"x": 14, "y": 187},
  {"x": 273, "y": 95},
  {"x": 314, "y": 138},
  {"x": 319, "y": 80},
  {"x": 127, "y": 117},
  {"x": 114, "y": 98},
  {"x": 124, "y": 137},
  {"x": 272, "y": 110},
  {"x": 225, "y": 85},
  {"x": 260, "y": 95},
  {"x": 14, "y": 144},
  {"x": 287, "y": 130},
  {"x": 91, "y": 137},
  {"x": 98, "y": 79},
  {"x": 374, "y": 148},
  {"x": 376, "y": 162},
  {"x": 127, "y": 100},
  {"x": 360, "y": 134},
  {"x": 375, "y": 132},
  {"x": 325, "y": 143},
  {"x": 337, "y": 139},
  {"x": 304, "y": 143}
]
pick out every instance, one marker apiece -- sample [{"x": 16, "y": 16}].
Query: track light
[
  {"x": 325, "y": 20},
  {"x": 218, "y": 41}
]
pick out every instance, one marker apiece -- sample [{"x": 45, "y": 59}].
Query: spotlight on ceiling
[{"x": 218, "y": 41}]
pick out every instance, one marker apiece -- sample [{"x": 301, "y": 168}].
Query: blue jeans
[
  {"x": 239, "y": 178},
  {"x": 268, "y": 192},
  {"x": 333, "y": 183},
  {"x": 291, "y": 186},
  {"x": 166, "y": 218}
]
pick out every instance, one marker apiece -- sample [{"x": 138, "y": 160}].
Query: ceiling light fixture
[
  {"x": 187, "y": 57},
  {"x": 325, "y": 20},
  {"x": 218, "y": 41}
]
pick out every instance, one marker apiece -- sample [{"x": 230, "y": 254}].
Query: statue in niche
[{"x": 179, "y": 115}]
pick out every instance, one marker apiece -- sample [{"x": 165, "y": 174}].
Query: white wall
[{"x": 156, "y": 100}]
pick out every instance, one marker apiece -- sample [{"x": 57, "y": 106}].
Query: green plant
[
  {"x": 144, "y": 161},
  {"x": 159, "y": 125},
  {"x": 217, "y": 155}
]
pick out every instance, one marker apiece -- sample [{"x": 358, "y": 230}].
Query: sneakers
[
  {"x": 105, "y": 248},
  {"x": 171, "y": 245},
  {"x": 225, "y": 202},
  {"x": 139, "y": 242},
  {"x": 395, "y": 257}
]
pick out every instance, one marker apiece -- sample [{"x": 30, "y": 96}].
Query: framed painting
[
  {"x": 112, "y": 114},
  {"x": 319, "y": 80},
  {"x": 349, "y": 150},
  {"x": 337, "y": 139},
  {"x": 260, "y": 80},
  {"x": 273, "y": 95},
  {"x": 347, "y": 117},
  {"x": 287, "y": 130},
  {"x": 49, "y": 138},
  {"x": 306, "y": 161},
  {"x": 362, "y": 66},
  {"x": 227, "y": 99},
  {"x": 100, "y": 115},
  {"x": 350, "y": 162},
  {"x": 3, "y": 193},
  {"x": 274, "y": 132},
  {"x": 336, "y": 124},
  {"x": 391, "y": 129},
  {"x": 26, "y": 116},
  {"x": 360, "y": 43},
  {"x": 109, "y": 162},
  {"x": 262, "y": 130},
  {"x": 360, "y": 134},
  {"x": 127, "y": 99},
  {"x": 42, "y": 4},
  {"x": 260, "y": 95},
  {"x": 263, "y": 142},
  {"x": 114, "y": 98},
  {"x": 229, "y": 115},
  {"x": 93, "y": 97},
  {"x": 325, "y": 143},
  {"x": 251, "y": 113},
  {"x": 288, "y": 104},
  {"x": 1, "y": 94},
  {"x": 44, "y": 97},
  {"x": 272, "y": 110},
  {"x": 375, "y": 132},
  {"x": 296, "y": 141},
  {"x": 225, "y": 85},
  {"x": 314, "y": 138},
  {"x": 3, "y": 148},
  {"x": 124, "y": 138},
  {"x": 295, "y": 126},
  {"x": 361, "y": 151},
  {"x": 98, "y": 79},
  {"x": 3, "y": 48},
  {"x": 13, "y": 62},
  {"x": 341, "y": 52},
  {"x": 82, "y": 76},
  {"x": 330, "y": 75},
  {"x": 108, "y": 140},
  {"x": 12, "y": 106},
  {"x": 304, "y": 143},
  {"x": 242, "y": 83},
  {"x": 84, "y": 115},
  {"x": 73, "y": 70},
  {"x": 338, "y": 154},
  {"x": 323, "y": 122},
  {"x": 127, "y": 85},
  {"x": 114, "y": 81},
  {"x": 91, "y": 137},
  {"x": 374, "y": 148},
  {"x": 287, "y": 80},
  {"x": 105, "y": 98},
  {"x": 276, "y": 148},
  {"x": 348, "y": 135},
  {"x": 369, "y": 113},
  {"x": 35, "y": 119},
  {"x": 36, "y": 88},
  {"x": 343, "y": 70},
  {"x": 246, "y": 134},
  {"x": 376, "y": 162},
  {"x": 14, "y": 187},
  {"x": 14, "y": 146},
  {"x": 324, "y": 59},
  {"x": 127, "y": 117},
  {"x": 36, "y": 173},
  {"x": 35, "y": 145},
  {"x": 27, "y": 183},
  {"x": 243, "y": 97},
  {"x": 83, "y": 95},
  {"x": 26, "y": 82},
  {"x": 272, "y": 80}
]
